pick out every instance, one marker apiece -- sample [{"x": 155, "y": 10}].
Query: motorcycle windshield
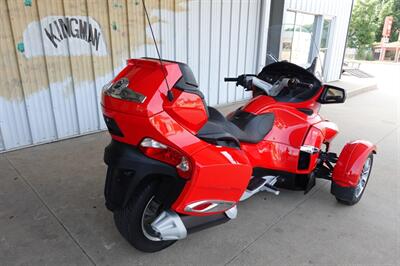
[{"x": 302, "y": 43}]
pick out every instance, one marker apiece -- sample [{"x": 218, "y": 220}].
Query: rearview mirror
[{"x": 332, "y": 94}]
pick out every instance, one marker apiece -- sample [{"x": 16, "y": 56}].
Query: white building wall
[
  {"x": 341, "y": 11},
  {"x": 50, "y": 92}
]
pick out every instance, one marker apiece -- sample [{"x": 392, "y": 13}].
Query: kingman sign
[
  {"x": 63, "y": 36},
  {"x": 72, "y": 28}
]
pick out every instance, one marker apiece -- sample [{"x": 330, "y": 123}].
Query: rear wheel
[
  {"x": 362, "y": 183},
  {"x": 134, "y": 221}
]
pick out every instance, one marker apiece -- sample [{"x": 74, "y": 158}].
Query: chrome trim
[
  {"x": 215, "y": 206},
  {"x": 309, "y": 149},
  {"x": 232, "y": 212},
  {"x": 120, "y": 90},
  {"x": 169, "y": 226},
  {"x": 151, "y": 143},
  {"x": 363, "y": 177}
]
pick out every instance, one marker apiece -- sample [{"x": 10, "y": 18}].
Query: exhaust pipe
[
  {"x": 197, "y": 223},
  {"x": 171, "y": 226}
]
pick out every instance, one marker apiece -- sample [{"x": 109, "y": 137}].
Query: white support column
[
  {"x": 327, "y": 64},
  {"x": 263, "y": 34}
]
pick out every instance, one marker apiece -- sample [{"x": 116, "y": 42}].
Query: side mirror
[{"x": 332, "y": 94}]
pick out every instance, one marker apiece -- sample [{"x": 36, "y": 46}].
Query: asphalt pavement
[{"x": 52, "y": 206}]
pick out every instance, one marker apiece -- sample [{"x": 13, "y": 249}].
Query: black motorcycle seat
[{"x": 241, "y": 126}]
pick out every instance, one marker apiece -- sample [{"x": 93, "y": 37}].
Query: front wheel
[
  {"x": 358, "y": 191},
  {"x": 134, "y": 221}
]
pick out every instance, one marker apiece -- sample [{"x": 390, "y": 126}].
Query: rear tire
[
  {"x": 362, "y": 183},
  {"x": 130, "y": 220}
]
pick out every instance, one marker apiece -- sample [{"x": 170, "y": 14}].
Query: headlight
[{"x": 121, "y": 91}]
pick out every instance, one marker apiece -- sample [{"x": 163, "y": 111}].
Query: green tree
[
  {"x": 396, "y": 21},
  {"x": 363, "y": 25}
]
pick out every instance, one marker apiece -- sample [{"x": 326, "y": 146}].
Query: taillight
[{"x": 161, "y": 152}]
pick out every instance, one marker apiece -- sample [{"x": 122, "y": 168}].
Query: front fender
[{"x": 350, "y": 163}]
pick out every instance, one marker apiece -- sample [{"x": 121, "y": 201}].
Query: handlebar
[
  {"x": 231, "y": 79},
  {"x": 305, "y": 85},
  {"x": 248, "y": 82},
  {"x": 293, "y": 83}
]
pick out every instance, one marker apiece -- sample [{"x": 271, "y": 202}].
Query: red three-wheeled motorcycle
[{"x": 176, "y": 165}]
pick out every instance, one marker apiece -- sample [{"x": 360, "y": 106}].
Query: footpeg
[
  {"x": 257, "y": 184},
  {"x": 271, "y": 188}
]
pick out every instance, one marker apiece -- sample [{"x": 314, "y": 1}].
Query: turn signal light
[{"x": 161, "y": 152}]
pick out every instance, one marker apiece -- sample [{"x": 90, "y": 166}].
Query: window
[
  {"x": 323, "y": 48},
  {"x": 305, "y": 37},
  {"x": 287, "y": 36},
  {"x": 296, "y": 38}
]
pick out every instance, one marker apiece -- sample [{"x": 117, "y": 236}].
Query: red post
[{"x": 382, "y": 53}]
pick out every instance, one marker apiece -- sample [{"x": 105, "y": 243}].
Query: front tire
[
  {"x": 362, "y": 183},
  {"x": 133, "y": 221}
]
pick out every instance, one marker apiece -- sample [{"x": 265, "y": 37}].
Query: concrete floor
[{"x": 52, "y": 206}]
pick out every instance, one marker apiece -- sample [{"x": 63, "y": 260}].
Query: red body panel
[
  {"x": 272, "y": 155},
  {"x": 145, "y": 77},
  {"x": 221, "y": 173},
  {"x": 328, "y": 129},
  {"x": 351, "y": 161},
  {"x": 314, "y": 138},
  {"x": 187, "y": 105},
  {"x": 262, "y": 103},
  {"x": 292, "y": 128}
]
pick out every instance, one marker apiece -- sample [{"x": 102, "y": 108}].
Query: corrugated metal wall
[
  {"x": 341, "y": 11},
  {"x": 56, "y": 55}
]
